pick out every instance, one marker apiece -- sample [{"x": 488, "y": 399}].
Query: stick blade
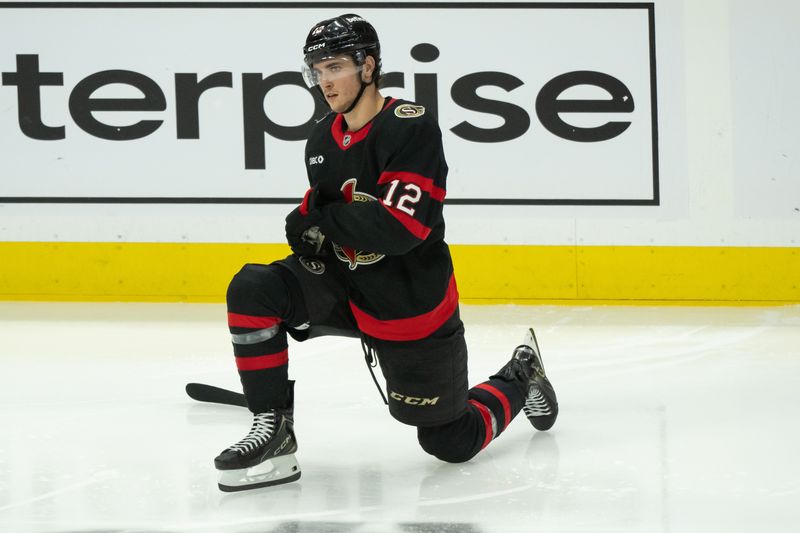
[{"x": 211, "y": 394}]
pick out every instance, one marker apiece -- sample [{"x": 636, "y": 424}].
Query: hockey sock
[
  {"x": 262, "y": 359},
  {"x": 257, "y": 303},
  {"x": 498, "y": 402}
]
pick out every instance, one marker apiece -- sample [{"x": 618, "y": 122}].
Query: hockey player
[{"x": 369, "y": 261}]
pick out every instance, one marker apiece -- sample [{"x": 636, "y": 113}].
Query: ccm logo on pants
[{"x": 412, "y": 400}]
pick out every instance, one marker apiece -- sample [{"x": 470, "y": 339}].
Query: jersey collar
[{"x": 346, "y": 139}]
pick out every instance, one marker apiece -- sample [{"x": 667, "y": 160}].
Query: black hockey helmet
[
  {"x": 347, "y": 34},
  {"x": 341, "y": 35}
]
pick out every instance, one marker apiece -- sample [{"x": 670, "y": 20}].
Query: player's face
[{"x": 340, "y": 81}]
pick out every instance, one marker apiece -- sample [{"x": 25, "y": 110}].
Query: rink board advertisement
[
  {"x": 538, "y": 104},
  {"x": 147, "y": 151}
]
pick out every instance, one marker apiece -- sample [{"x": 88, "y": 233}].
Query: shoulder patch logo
[{"x": 409, "y": 111}]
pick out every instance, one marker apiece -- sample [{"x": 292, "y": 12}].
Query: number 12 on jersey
[{"x": 413, "y": 195}]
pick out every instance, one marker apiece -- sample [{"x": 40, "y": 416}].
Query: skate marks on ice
[
  {"x": 97, "y": 477},
  {"x": 656, "y": 349},
  {"x": 515, "y": 488},
  {"x": 410, "y": 497},
  {"x": 436, "y": 498},
  {"x": 455, "y": 485},
  {"x": 721, "y": 450}
]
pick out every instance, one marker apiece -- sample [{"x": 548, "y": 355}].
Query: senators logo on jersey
[
  {"x": 409, "y": 111},
  {"x": 349, "y": 255}
]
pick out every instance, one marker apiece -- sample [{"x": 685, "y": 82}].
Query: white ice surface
[{"x": 672, "y": 420}]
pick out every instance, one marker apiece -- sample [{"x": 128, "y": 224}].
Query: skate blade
[
  {"x": 283, "y": 469},
  {"x": 530, "y": 340}
]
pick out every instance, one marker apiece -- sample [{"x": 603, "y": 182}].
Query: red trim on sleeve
[
  {"x": 414, "y": 226},
  {"x": 248, "y": 321},
  {"x": 304, "y": 204},
  {"x": 409, "y": 329},
  {"x": 487, "y": 422},
  {"x": 262, "y": 362},
  {"x": 424, "y": 183},
  {"x": 497, "y": 393}
]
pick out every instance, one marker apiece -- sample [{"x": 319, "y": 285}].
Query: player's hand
[{"x": 302, "y": 234}]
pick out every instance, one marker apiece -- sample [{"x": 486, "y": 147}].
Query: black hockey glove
[{"x": 302, "y": 234}]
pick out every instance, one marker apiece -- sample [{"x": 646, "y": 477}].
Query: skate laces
[
  {"x": 260, "y": 433},
  {"x": 536, "y": 404}
]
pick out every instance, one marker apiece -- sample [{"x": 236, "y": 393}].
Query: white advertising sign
[{"x": 539, "y": 104}]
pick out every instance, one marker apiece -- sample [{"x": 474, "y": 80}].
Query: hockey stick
[{"x": 209, "y": 393}]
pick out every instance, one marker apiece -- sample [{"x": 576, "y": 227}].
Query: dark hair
[{"x": 377, "y": 74}]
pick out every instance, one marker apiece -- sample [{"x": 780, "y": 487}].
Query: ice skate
[
  {"x": 541, "y": 405},
  {"x": 264, "y": 457}
]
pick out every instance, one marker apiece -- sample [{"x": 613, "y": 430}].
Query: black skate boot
[
  {"x": 264, "y": 457},
  {"x": 541, "y": 405}
]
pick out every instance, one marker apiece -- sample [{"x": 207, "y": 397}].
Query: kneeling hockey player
[{"x": 369, "y": 261}]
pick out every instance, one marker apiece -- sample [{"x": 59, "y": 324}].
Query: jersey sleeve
[{"x": 410, "y": 191}]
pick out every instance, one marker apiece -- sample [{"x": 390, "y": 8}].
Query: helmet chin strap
[{"x": 357, "y": 98}]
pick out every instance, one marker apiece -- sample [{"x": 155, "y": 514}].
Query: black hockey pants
[{"x": 426, "y": 380}]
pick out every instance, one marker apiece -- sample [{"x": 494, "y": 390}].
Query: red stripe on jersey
[
  {"x": 497, "y": 393},
  {"x": 248, "y": 321},
  {"x": 426, "y": 184},
  {"x": 262, "y": 362},
  {"x": 487, "y": 422},
  {"x": 409, "y": 329},
  {"x": 414, "y": 226},
  {"x": 304, "y": 205}
]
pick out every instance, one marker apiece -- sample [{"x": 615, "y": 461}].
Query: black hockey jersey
[{"x": 387, "y": 235}]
